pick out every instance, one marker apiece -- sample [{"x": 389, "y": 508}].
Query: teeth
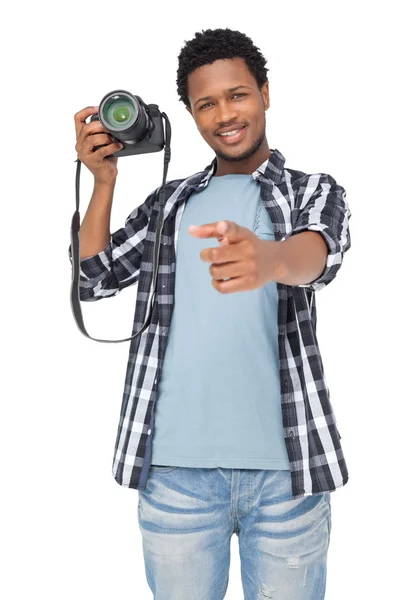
[{"x": 230, "y": 132}]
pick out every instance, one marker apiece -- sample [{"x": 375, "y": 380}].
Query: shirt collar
[{"x": 271, "y": 169}]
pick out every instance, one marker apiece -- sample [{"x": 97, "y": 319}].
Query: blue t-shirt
[{"x": 218, "y": 400}]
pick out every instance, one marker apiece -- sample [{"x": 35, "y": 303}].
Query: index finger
[
  {"x": 82, "y": 115},
  {"x": 208, "y": 230}
]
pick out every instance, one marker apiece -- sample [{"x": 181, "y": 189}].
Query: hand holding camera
[
  {"x": 121, "y": 118},
  {"x": 89, "y": 135}
]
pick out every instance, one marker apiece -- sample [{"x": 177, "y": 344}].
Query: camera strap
[{"x": 75, "y": 246}]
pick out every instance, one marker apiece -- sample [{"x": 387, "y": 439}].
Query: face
[{"x": 225, "y": 96}]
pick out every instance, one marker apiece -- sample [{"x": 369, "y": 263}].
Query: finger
[
  {"x": 107, "y": 150},
  {"x": 99, "y": 139},
  {"x": 228, "y": 270},
  {"x": 89, "y": 133},
  {"x": 221, "y": 229},
  {"x": 209, "y": 230},
  {"x": 81, "y": 116},
  {"x": 223, "y": 254},
  {"x": 236, "y": 284}
]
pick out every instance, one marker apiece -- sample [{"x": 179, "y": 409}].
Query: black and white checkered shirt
[{"x": 295, "y": 202}]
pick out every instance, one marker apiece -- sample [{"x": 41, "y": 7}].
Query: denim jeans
[{"x": 187, "y": 517}]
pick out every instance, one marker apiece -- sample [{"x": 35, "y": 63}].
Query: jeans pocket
[{"x": 161, "y": 468}]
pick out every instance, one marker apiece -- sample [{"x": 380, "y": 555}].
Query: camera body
[{"x": 142, "y": 133}]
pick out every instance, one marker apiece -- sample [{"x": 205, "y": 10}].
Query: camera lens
[
  {"x": 119, "y": 113},
  {"x": 124, "y": 115}
]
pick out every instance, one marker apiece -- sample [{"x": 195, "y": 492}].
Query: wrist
[
  {"x": 104, "y": 184},
  {"x": 274, "y": 261},
  {"x": 279, "y": 262}
]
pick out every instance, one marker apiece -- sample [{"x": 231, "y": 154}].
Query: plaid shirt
[{"x": 295, "y": 202}]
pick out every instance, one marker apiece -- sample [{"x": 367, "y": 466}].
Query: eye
[{"x": 208, "y": 103}]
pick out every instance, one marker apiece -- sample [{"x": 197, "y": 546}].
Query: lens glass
[{"x": 120, "y": 112}]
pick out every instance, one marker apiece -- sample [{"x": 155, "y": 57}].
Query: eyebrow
[{"x": 229, "y": 90}]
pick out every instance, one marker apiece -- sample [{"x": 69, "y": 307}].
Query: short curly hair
[{"x": 214, "y": 44}]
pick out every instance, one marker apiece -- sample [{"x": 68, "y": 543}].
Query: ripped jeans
[{"x": 187, "y": 517}]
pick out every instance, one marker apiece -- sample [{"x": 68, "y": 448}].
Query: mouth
[{"x": 232, "y": 137}]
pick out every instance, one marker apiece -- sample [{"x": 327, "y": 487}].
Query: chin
[
  {"x": 240, "y": 153},
  {"x": 237, "y": 156}
]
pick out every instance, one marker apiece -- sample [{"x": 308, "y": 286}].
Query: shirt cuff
[
  {"x": 97, "y": 266},
  {"x": 333, "y": 259}
]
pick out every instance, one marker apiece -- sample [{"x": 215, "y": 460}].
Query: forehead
[{"x": 214, "y": 78}]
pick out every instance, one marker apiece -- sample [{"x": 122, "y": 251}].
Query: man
[{"x": 226, "y": 422}]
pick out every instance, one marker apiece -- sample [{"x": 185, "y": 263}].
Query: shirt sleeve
[
  {"x": 324, "y": 208},
  {"x": 118, "y": 265}
]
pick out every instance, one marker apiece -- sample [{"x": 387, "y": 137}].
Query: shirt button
[
  {"x": 291, "y": 433},
  {"x": 149, "y": 432}
]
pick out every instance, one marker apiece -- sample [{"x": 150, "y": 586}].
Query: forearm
[
  {"x": 94, "y": 233},
  {"x": 301, "y": 258}
]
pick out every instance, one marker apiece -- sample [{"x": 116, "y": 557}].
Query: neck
[{"x": 247, "y": 165}]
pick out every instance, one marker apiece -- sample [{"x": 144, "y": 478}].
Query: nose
[{"x": 225, "y": 114}]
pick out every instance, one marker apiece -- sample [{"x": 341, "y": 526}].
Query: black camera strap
[{"x": 75, "y": 246}]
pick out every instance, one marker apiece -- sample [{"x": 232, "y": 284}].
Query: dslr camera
[{"x": 138, "y": 126}]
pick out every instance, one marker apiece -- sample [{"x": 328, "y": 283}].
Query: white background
[{"x": 68, "y": 529}]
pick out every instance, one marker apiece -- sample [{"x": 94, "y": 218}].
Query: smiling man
[{"x": 226, "y": 423}]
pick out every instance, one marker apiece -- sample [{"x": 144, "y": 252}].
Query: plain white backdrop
[{"x": 68, "y": 530}]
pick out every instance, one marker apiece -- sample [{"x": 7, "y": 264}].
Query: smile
[{"x": 234, "y": 136}]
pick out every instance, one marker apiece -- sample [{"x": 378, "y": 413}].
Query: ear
[
  {"x": 189, "y": 110},
  {"x": 265, "y": 94}
]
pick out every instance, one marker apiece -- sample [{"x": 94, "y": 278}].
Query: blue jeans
[{"x": 187, "y": 517}]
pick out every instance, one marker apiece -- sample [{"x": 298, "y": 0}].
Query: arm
[
  {"x": 117, "y": 265},
  {"x": 94, "y": 234},
  {"x": 313, "y": 259},
  {"x": 301, "y": 258}
]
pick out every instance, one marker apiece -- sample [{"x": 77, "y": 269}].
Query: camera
[{"x": 138, "y": 126}]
